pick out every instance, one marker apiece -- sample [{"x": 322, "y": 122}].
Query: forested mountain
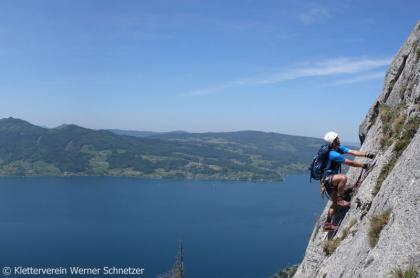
[{"x": 27, "y": 150}]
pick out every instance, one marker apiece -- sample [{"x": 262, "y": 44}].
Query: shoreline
[{"x": 282, "y": 179}]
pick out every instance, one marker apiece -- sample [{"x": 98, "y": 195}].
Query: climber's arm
[
  {"x": 357, "y": 153},
  {"x": 362, "y": 154},
  {"x": 353, "y": 163}
]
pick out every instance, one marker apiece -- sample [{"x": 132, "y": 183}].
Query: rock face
[{"x": 391, "y": 130}]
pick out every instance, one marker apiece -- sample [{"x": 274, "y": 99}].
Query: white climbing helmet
[{"x": 330, "y": 137}]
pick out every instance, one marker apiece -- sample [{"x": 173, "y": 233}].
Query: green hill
[{"x": 29, "y": 150}]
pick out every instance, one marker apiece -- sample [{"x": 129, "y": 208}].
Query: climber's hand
[
  {"x": 371, "y": 155},
  {"x": 366, "y": 166}
]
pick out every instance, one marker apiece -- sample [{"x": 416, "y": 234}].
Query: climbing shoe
[{"x": 328, "y": 226}]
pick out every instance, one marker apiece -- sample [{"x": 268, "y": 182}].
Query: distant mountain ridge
[
  {"x": 30, "y": 150},
  {"x": 137, "y": 133}
]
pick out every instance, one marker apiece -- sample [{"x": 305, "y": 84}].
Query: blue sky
[{"x": 296, "y": 67}]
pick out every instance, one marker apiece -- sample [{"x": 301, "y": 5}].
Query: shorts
[{"x": 329, "y": 187}]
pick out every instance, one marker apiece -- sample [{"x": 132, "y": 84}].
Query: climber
[{"x": 335, "y": 182}]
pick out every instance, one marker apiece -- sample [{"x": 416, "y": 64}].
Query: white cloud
[
  {"x": 359, "y": 78},
  {"x": 330, "y": 67},
  {"x": 327, "y": 68},
  {"x": 313, "y": 15}
]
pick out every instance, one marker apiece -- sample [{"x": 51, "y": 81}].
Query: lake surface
[{"x": 229, "y": 229}]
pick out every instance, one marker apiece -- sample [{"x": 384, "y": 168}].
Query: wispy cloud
[
  {"x": 330, "y": 67},
  {"x": 314, "y": 15},
  {"x": 327, "y": 68},
  {"x": 359, "y": 78}
]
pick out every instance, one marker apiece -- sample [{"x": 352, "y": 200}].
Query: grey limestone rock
[{"x": 399, "y": 240}]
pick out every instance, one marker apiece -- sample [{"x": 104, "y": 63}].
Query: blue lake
[{"x": 229, "y": 229}]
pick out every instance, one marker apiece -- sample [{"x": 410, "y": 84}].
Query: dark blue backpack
[{"x": 319, "y": 163}]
